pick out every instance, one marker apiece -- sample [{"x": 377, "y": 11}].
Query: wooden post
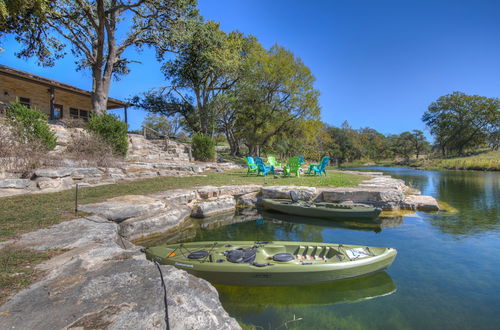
[
  {"x": 125, "y": 114},
  {"x": 52, "y": 102}
]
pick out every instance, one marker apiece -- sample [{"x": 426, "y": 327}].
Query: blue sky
[{"x": 377, "y": 63}]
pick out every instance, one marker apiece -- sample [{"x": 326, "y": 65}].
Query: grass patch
[
  {"x": 17, "y": 269},
  {"x": 25, "y": 213}
]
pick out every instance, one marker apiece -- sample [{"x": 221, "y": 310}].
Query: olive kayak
[
  {"x": 273, "y": 263},
  {"x": 321, "y": 210}
]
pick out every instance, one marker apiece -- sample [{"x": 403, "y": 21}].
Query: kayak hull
[
  {"x": 313, "y": 263},
  {"x": 321, "y": 210}
]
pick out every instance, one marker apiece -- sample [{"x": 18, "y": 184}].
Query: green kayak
[
  {"x": 321, "y": 210},
  {"x": 273, "y": 263}
]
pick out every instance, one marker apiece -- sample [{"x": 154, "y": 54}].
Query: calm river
[{"x": 446, "y": 274}]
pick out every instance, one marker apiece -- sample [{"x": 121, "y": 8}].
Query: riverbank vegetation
[{"x": 226, "y": 85}]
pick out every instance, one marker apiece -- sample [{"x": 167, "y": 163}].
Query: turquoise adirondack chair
[
  {"x": 263, "y": 169},
  {"x": 319, "y": 168},
  {"x": 251, "y": 166},
  {"x": 293, "y": 166},
  {"x": 302, "y": 160}
]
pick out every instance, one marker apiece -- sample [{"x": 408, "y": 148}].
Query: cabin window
[
  {"x": 25, "y": 101},
  {"x": 73, "y": 113},
  {"x": 79, "y": 113},
  {"x": 84, "y": 114},
  {"x": 58, "y": 111}
]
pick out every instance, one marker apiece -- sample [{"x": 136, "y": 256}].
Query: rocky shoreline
[{"x": 104, "y": 281}]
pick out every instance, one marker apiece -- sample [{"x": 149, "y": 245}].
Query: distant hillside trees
[
  {"x": 459, "y": 121},
  {"x": 98, "y": 31}
]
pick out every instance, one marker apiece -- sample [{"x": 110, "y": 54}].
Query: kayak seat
[
  {"x": 241, "y": 256},
  {"x": 283, "y": 257},
  {"x": 198, "y": 255}
]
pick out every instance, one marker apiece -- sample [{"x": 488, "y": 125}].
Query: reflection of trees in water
[{"x": 476, "y": 196}]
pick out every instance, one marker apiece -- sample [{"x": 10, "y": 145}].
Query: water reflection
[
  {"x": 374, "y": 225},
  {"x": 475, "y": 195},
  {"x": 251, "y": 300}
]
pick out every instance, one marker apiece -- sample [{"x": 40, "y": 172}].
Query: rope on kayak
[
  {"x": 155, "y": 260},
  {"x": 209, "y": 252}
]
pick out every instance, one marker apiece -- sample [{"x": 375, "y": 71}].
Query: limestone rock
[
  {"x": 213, "y": 206},
  {"x": 238, "y": 190},
  {"x": 175, "y": 196},
  {"x": 15, "y": 183},
  {"x": 124, "y": 207},
  {"x": 208, "y": 191},
  {"x": 283, "y": 192},
  {"x": 125, "y": 292},
  {"x": 386, "y": 198},
  {"x": 54, "y": 172},
  {"x": 420, "y": 203},
  {"x": 249, "y": 200},
  {"x": 384, "y": 182},
  {"x": 82, "y": 173},
  {"x": 70, "y": 234},
  {"x": 52, "y": 185},
  {"x": 138, "y": 227}
]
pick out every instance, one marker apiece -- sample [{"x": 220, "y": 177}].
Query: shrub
[
  {"x": 30, "y": 125},
  {"x": 17, "y": 156},
  {"x": 111, "y": 129},
  {"x": 203, "y": 147},
  {"x": 91, "y": 149}
]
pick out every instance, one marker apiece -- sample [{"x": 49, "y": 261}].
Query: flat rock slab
[
  {"x": 138, "y": 227},
  {"x": 15, "y": 183},
  {"x": 283, "y": 192},
  {"x": 387, "y": 198},
  {"x": 420, "y": 203},
  {"x": 175, "y": 196},
  {"x": 54, "y": 172},
  {"x": 384, "y": 182},
  {"x": 234, "y": 190},
  {"x": 213, "y": 206},
  {"x": 123, "y": 293},
  {"x": 56, "y": 184},
  {"x": 124, "y": 207},
  {"x": 69, "y": 234}
]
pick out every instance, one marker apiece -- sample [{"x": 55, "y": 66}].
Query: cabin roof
[{"x": 23, "y": 75}]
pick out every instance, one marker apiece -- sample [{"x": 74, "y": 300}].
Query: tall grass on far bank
[{"x": 484, "y": 162}]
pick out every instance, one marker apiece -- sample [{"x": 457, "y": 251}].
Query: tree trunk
[{"x": 99, "y": 95}]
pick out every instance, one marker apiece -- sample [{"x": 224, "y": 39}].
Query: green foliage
[
  {"x": 206, "y": 66},
  {"x": 30, "y": 125},
  {"x": 111, "y": 129},
  {"x": 203, "y": 147},
  {"x": 459, "y": 121},
  {"x": 159, "y": 124},
  {"x": 275, "y": 95}
]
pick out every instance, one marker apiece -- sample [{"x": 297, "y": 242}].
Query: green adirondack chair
[
  {"x": 319, "y": 168},
  {"x": 271, "y": 160},
  {"x": 251, "y": 166},
  {"x": 293, "y": 166}
]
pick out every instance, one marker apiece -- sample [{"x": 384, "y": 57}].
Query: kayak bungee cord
[{"x": 155, "y": 260}]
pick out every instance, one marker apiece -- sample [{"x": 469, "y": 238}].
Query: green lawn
[{"x": 25, "y": 213}]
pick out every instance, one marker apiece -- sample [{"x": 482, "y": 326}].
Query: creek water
[{"x": 446, "y": 274}]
